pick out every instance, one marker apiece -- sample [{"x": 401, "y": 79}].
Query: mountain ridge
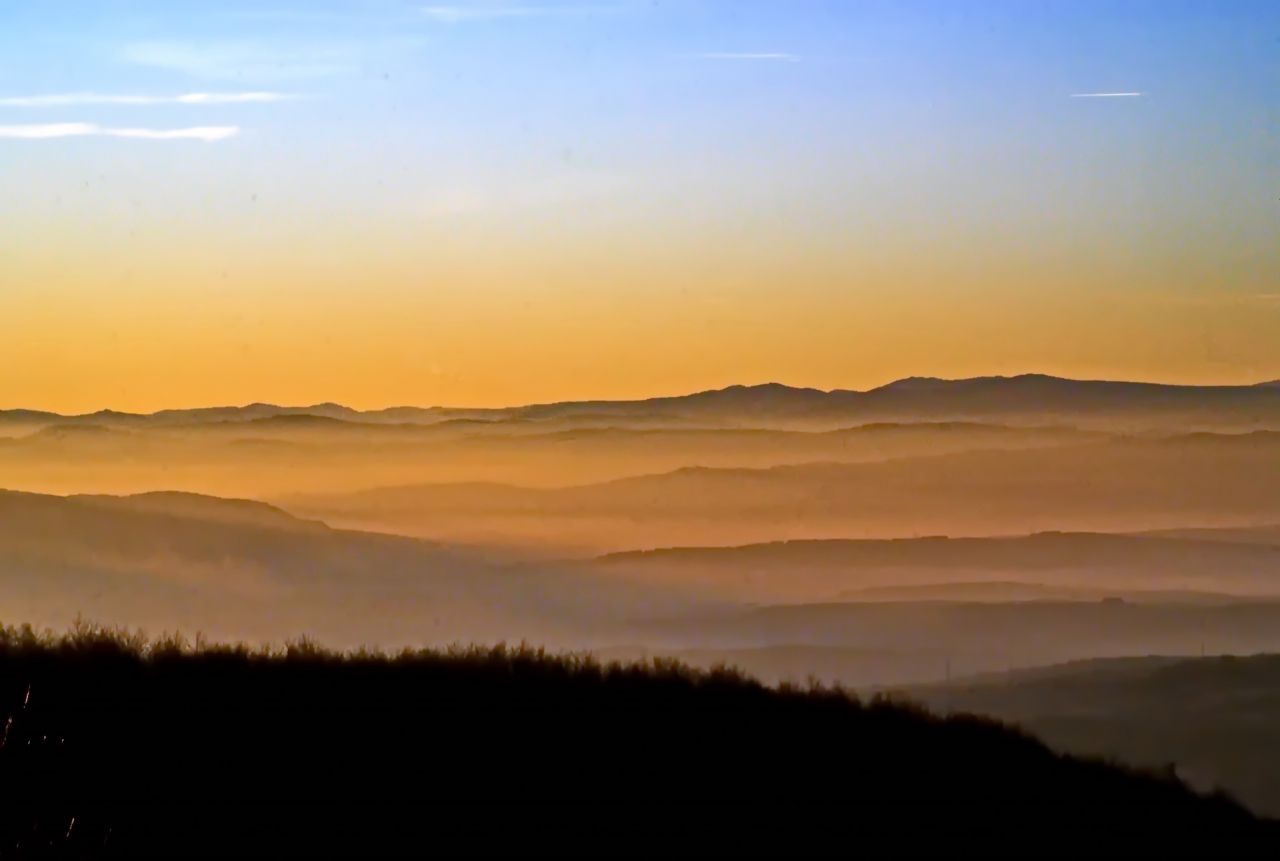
[{"x": 1023, "y": 391}]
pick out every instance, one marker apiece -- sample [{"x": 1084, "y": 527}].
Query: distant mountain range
[{"x": 907, "y": 399}]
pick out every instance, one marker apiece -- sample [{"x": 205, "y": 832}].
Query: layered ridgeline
[
  {"x": 737, "y": 466},
  {"x": 115, "y": 747},
  {"x": 862, "y": 613},
  {"x": 243, "y": 569},
  {"x": 548, "y": 523},
  {"x": 1179, "y": 566},
  {"x": 264, "y": 451},
  {"x": 1114, "y": 485}
]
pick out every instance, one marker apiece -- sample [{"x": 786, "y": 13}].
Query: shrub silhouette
[{"x": 117, "y": 746}]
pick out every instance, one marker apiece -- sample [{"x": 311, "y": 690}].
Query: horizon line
[{"x": 302, "y": 408}]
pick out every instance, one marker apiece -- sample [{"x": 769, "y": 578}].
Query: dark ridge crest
[{"x": 119, "y": 746}]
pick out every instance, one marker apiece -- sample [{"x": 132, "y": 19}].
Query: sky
[{"x": 389, "y": 203}]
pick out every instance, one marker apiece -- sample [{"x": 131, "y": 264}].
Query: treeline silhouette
[{"x": 118, "y": 746}]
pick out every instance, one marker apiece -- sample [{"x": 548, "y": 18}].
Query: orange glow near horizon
[
  {"x": 493, "y": 223},
  {"x": 541, "y": 333}
]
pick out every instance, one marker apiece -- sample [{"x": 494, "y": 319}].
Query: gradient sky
[{"x": 387, "y": 203}]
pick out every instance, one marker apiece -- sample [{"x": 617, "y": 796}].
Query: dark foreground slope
[
  {"x": 116, "y": 748},
  {"x": 1217, "y": 718}
]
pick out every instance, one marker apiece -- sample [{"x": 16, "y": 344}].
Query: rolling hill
[
  {"x": 893, "y": 643},
  {"x": 1117, "y": 485},
  {"x": 1040, "y": 566},
  {"x": 242, "y": 569}
]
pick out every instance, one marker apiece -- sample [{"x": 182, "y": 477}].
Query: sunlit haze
[
  {"x": 482, "y": 204},
  {"x": 865, "y": 417}
]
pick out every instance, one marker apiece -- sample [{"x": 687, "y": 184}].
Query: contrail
[{"x": 1103, "y": 95}]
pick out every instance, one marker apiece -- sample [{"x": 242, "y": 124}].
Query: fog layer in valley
[{"x": 875, "y": 538}]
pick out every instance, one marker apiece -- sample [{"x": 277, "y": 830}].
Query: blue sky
[{"x": 789, "y": 96}]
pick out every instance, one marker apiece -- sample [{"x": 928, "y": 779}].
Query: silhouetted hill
[
  {"x": 123, "y": 749},
  {"x": 1036, "y": 398},
  {"x": 1047, "y": 396},
  {"x": 767, "y": 399},
  {"x": 984, "y": 397},
  {"x": 1217, "y": 719},
  {"x": 27, "y": 417}
]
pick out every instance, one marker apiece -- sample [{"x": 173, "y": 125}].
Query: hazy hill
[
  {"x": 243, "y": 569},
  {"x": 1217, "y": 719},
  {"x": 1126, "y": 484},
  {"x": 194, "y": 506},
  {"x": 265, "y": 451},
  {"x": 886, "y": 666},
  {"x": 236, "y": 568},
  {"x": 75, "y": 430},
  {"x": 1005, "y": 591},
  {"x": 1269, "y": 534},
  {"x": 299, "y": 453},
  {"x": 1031, "y": 567},
  {"x": 890, "y": 643}
]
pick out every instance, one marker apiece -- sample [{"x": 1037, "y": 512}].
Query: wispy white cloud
[
  {"x": 778, "y": 57},
  {"x": 70, "y": 130},
  {"x": 203, "y": 133},
  {"x": 63, "y": 99},
  {"x": 245, "y": 60},
  {"x": 1104, "y": 95}
]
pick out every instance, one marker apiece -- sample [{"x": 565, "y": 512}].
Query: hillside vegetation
[{"x": 118, "y": 746}]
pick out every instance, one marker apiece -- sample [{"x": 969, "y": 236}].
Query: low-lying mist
[{"x": 876, "y": 538}]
